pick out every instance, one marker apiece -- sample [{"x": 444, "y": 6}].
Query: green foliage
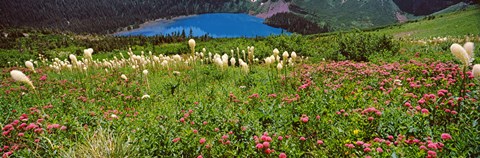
[
  {"x": 459, "y": 23},
  {"x": 105, "y": 115},
  {"x": 362, "y": 46},
  {"x": 108, "y": 16},
  {"x": 14, "y": 58}
]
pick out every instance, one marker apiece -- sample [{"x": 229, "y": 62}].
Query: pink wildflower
[
  {"x": 280, "y": 138},
  {"x": 319, "y": 142},
  {"x": 176, "y": 140},
  {"x": 446, "y": 136},
  {"x": 304, "y": 119},
  {"x": 425, "y": 111},
  {"x": 259, "y": 146},
  {"x": 432, "y": 153},
  {"x": 266, "y": 144},
  {"x": 370, "y": 118},
  {"x": 423, "y": 148},
  {"x": 303, "y": 138},
  {"x": 359, "y": 143}
]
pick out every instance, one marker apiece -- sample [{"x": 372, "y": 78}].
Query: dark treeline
[
  {"x": 295, "y": 23},
  {"x": 38, "y": 41},
  {"x": 105, "y": 16}
]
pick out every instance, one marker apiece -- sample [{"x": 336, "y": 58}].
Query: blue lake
[{"x": 216, "y": 25}]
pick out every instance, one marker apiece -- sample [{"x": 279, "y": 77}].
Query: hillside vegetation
[
  {"x": 18, "y": 45},
  {"x": 457, "y": 23},
  {"x": 105, "y": 16},
  {"x": 340, "y": 94}
]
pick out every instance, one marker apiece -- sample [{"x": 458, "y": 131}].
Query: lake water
[{"x": 215, "y": 25}]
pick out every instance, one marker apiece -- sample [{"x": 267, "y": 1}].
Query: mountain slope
[
  {"x": 102, "y": 16},
  {"x": 451, "y": 24},
  {"x": 425, "y": 7},
  {"x": 107, "y": 16},
  {"x": 347, "y": 14}
]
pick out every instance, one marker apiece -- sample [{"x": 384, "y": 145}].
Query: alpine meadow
[{"x": 381, "y": 78}]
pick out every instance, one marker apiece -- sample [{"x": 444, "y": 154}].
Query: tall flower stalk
[
  {"x": 145, "y": 74},
  {"x": 21, "y": 77},
  {"x": 192, "y": 44},
  {"x": 466, "y": 56}
]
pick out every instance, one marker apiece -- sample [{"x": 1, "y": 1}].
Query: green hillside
[
  {"x": 450, "y": 24},
  {"x": 349, "y": 14}
]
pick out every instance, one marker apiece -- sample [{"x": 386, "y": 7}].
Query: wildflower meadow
[{"x": 244, "y": 103}]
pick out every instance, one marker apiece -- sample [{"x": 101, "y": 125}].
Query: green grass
[
  {"x": 100, "y": 109},
  {"x": 451, "y": 24},
  {"x": 351, "y": 14}
]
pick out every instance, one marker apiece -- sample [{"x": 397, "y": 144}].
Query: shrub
[
  {"x": 11, "y": 57},
  {"x": 360, "y": 46}
]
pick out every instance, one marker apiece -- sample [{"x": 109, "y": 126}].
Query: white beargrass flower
[
  {"x": 219, "y": 62},
  {"x": 20, "y": 77},
  {"x": 156, "y": 59},
  {"x": 476, "y": 70},
  {"x": 74, "y": 59},
  {"x": 145, "y": 96},
  {"x": 145, "y": 72},
  {"x": 290, "y": 62},
  {"x": 250, "y": 53},
  {"x": 459, "y": 52},
  {"x": 279, "y": 66},
  {"x": 232, "y": 61},
  {"x": 244, "y": 67},
  {"x": 124, "y": 77},
  {"x": 87, "y": 53},
  {"x": 267, "y": 61},
  {"x": 244, "y": 56},
  {"x": 397, "y": 82},
  {"x": 469, "y": 47},
  {"x": 191, "y": 43},
  {"x": 177, "y": 57},
  {"x": 275, "y": 52},
  {"x": 285, "y": 56},
  {"x": 225, "y": 60},
  {"x": 240, "y": 62},
  {"x": 29, "y": 65},
  {"x": 293, "y": 55},
  {"x": 176, "y": 73},
  {"x": 164, "y": 63}
]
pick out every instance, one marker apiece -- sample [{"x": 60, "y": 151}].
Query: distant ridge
[{"x": 107, "y": 16}]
